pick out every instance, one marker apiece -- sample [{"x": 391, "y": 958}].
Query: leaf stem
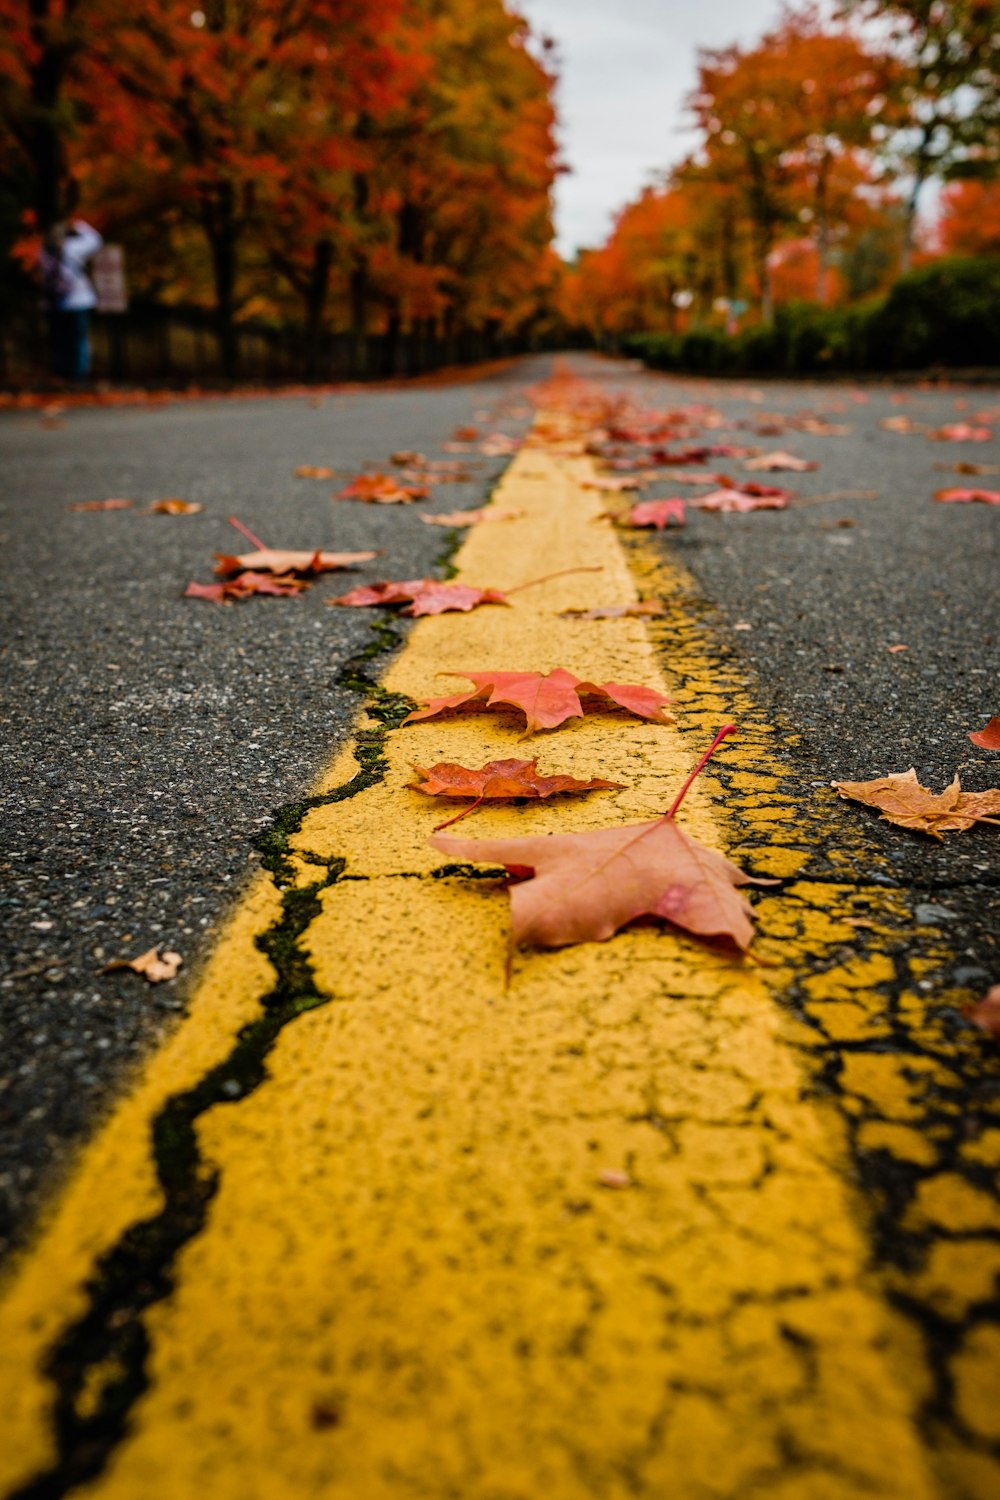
[
  {"x": 463, "y": 814},
  {"x": 726, "y": 729},
  {"x": 245, "y": 531},
  {"x": 547, "y": 577}
]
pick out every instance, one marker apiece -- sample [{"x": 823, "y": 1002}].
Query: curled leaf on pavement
[
  {"x": 458, "y": 518},
  {"x": 101, "y": 505},
  {"x": 547, "y": 699},
  {"x": 405, "y": 458},
  {"x": 986, "y": 1013},
  {"x": 499, "y": 780},
  {"x": 902, "y": 800},
  {"x": 276, "y": 560},
  {"x": 658, "y": 513},
  {"x": 960, "y": 496},
  {"x": 738, "y": 501},
  {"x": 425, "y": 596},
  {"x": 381, "y": 489},
  {"x": 314, "y": 471},
  {"x": 961, "y": 432},
  {"x": 781, "y": 460},
  {"x": 244, "y": 585},
  {"x": 616, "y": 611},
  {"x": 987, "y": 738},
  {"x": 152, "y": 965},
  {"x": 174, "y": 507},
  {"x": 498, "y": 445},
  {"x": 612, "y": 483},
  {"x": 967, "y": 467},
  {"x": 584, "y": 887}
]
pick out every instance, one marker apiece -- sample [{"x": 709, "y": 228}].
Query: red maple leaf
[
  {"x": 547, "y": 699},
  {"x": 427, "y": 596}
]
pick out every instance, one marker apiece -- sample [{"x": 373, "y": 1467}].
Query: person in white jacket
[{"x": 70, "y": 295}]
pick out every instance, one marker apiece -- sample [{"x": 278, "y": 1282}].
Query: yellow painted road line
[{"x": 384, "y": 1262}]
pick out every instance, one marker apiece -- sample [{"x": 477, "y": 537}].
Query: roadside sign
[{"x": 107, "y": 271}]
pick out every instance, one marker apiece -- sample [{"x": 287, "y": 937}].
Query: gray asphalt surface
[{"x": 149, "y": 738}]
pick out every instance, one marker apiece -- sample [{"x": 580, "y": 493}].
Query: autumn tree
[
  {"x": 950, "y": 50},
  {"x": 789, "y": 128},
  {"x": 970, "y": 218}
]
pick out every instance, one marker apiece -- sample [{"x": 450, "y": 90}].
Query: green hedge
[{"x": 947, "y": 313}]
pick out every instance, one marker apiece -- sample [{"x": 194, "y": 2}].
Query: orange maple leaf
[
  {"x": 959, "y": 496},
  {"x": 781, "y": 460},
  {"x": 547, "y": 699},
  {"x": 658, "y": 513},
  {"x": 381, "y": 489},
  {"x": 987, "y": 738},
  {"x": 902, "y": 800},
  {"x": 584, "y": 887},
  {"x": 499, "y": 780},
  {"x": 427, "y": 596}
]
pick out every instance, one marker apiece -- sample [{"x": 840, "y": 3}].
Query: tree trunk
[
  {"x": 220, "y": 228},
  {"x": 316, "y": 294},
  {"x": 43, "y": 141}
]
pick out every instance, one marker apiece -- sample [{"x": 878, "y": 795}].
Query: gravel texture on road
[{"x": 150, "y": 738}]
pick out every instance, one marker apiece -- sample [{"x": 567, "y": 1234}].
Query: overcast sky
[{"x": 627, "y": 66}]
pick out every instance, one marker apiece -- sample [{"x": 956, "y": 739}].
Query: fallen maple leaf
[
  {"x": 469, "y": 517},
  {"x": 273, "y": 560},
  {"x": 547, "y": 699},
  {"x": 500, "y": 780},
  {"x": 739, "y": 501},
  {"x": 314, "y": 471},
  {"x": 780, "y": 460},
  {"x": 900, "y": 424},
  {"x": 245, "y": 584},
  {"x": 174, "y": 507},
  {"x": 101, "y": 505},
  {"x": 426, "y": 595},
  {"x": 497, "y": 445},
  {"x": 465, "y": 434},
  {"x": 612, "y": 484},
  {"x": 987, "y": 738},
  {"x": 986, "y": 1012},
  {"x": 150, "y": 965},
  {"x": 958, "y": 496},
  {"x": 381, "y": 489},
  {"x": 406, "y": 457},
  {"x": 967, "y": 467},
  {"x": 584, "y": 887},
  {"x": 961, "y": 432},
  {"x": 658, "y": 513},
  {"x": 615, "y": 611},
  {"x": 902, "y": 800}
]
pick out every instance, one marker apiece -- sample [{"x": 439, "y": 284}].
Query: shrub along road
[{"x": 763, "y": 1091}]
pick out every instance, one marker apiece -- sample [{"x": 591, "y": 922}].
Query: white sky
[{"x": 626, "y": 68}]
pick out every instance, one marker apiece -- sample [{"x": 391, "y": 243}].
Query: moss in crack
[{"x": 98, "y": 1365}]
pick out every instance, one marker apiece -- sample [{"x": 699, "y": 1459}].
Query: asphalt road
[{"x": 149, "y": 738}]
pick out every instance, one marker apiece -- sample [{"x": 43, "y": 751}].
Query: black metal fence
[{"x": 153, "y": 344}]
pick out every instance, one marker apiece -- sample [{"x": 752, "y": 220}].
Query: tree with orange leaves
[{"x": 790, "y": 127}]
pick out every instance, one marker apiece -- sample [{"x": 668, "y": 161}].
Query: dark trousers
[{"x": 70, "y": 339}]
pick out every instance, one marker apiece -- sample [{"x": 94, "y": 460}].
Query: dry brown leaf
[
  {"x": 101, "y": 505},
  {"x": 781, "y": 460},
  {"x": 902, "y": 800},
  {"x": 151, "y": 965},
  {"x": 314, "y": 471},
  {"x": 174, "y": 507}
]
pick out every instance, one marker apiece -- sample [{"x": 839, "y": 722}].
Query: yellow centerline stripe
[{"x": 413, "y": 1280}]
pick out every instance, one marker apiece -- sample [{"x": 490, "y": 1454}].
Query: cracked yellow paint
[{"x": 417, "y": 1280}]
